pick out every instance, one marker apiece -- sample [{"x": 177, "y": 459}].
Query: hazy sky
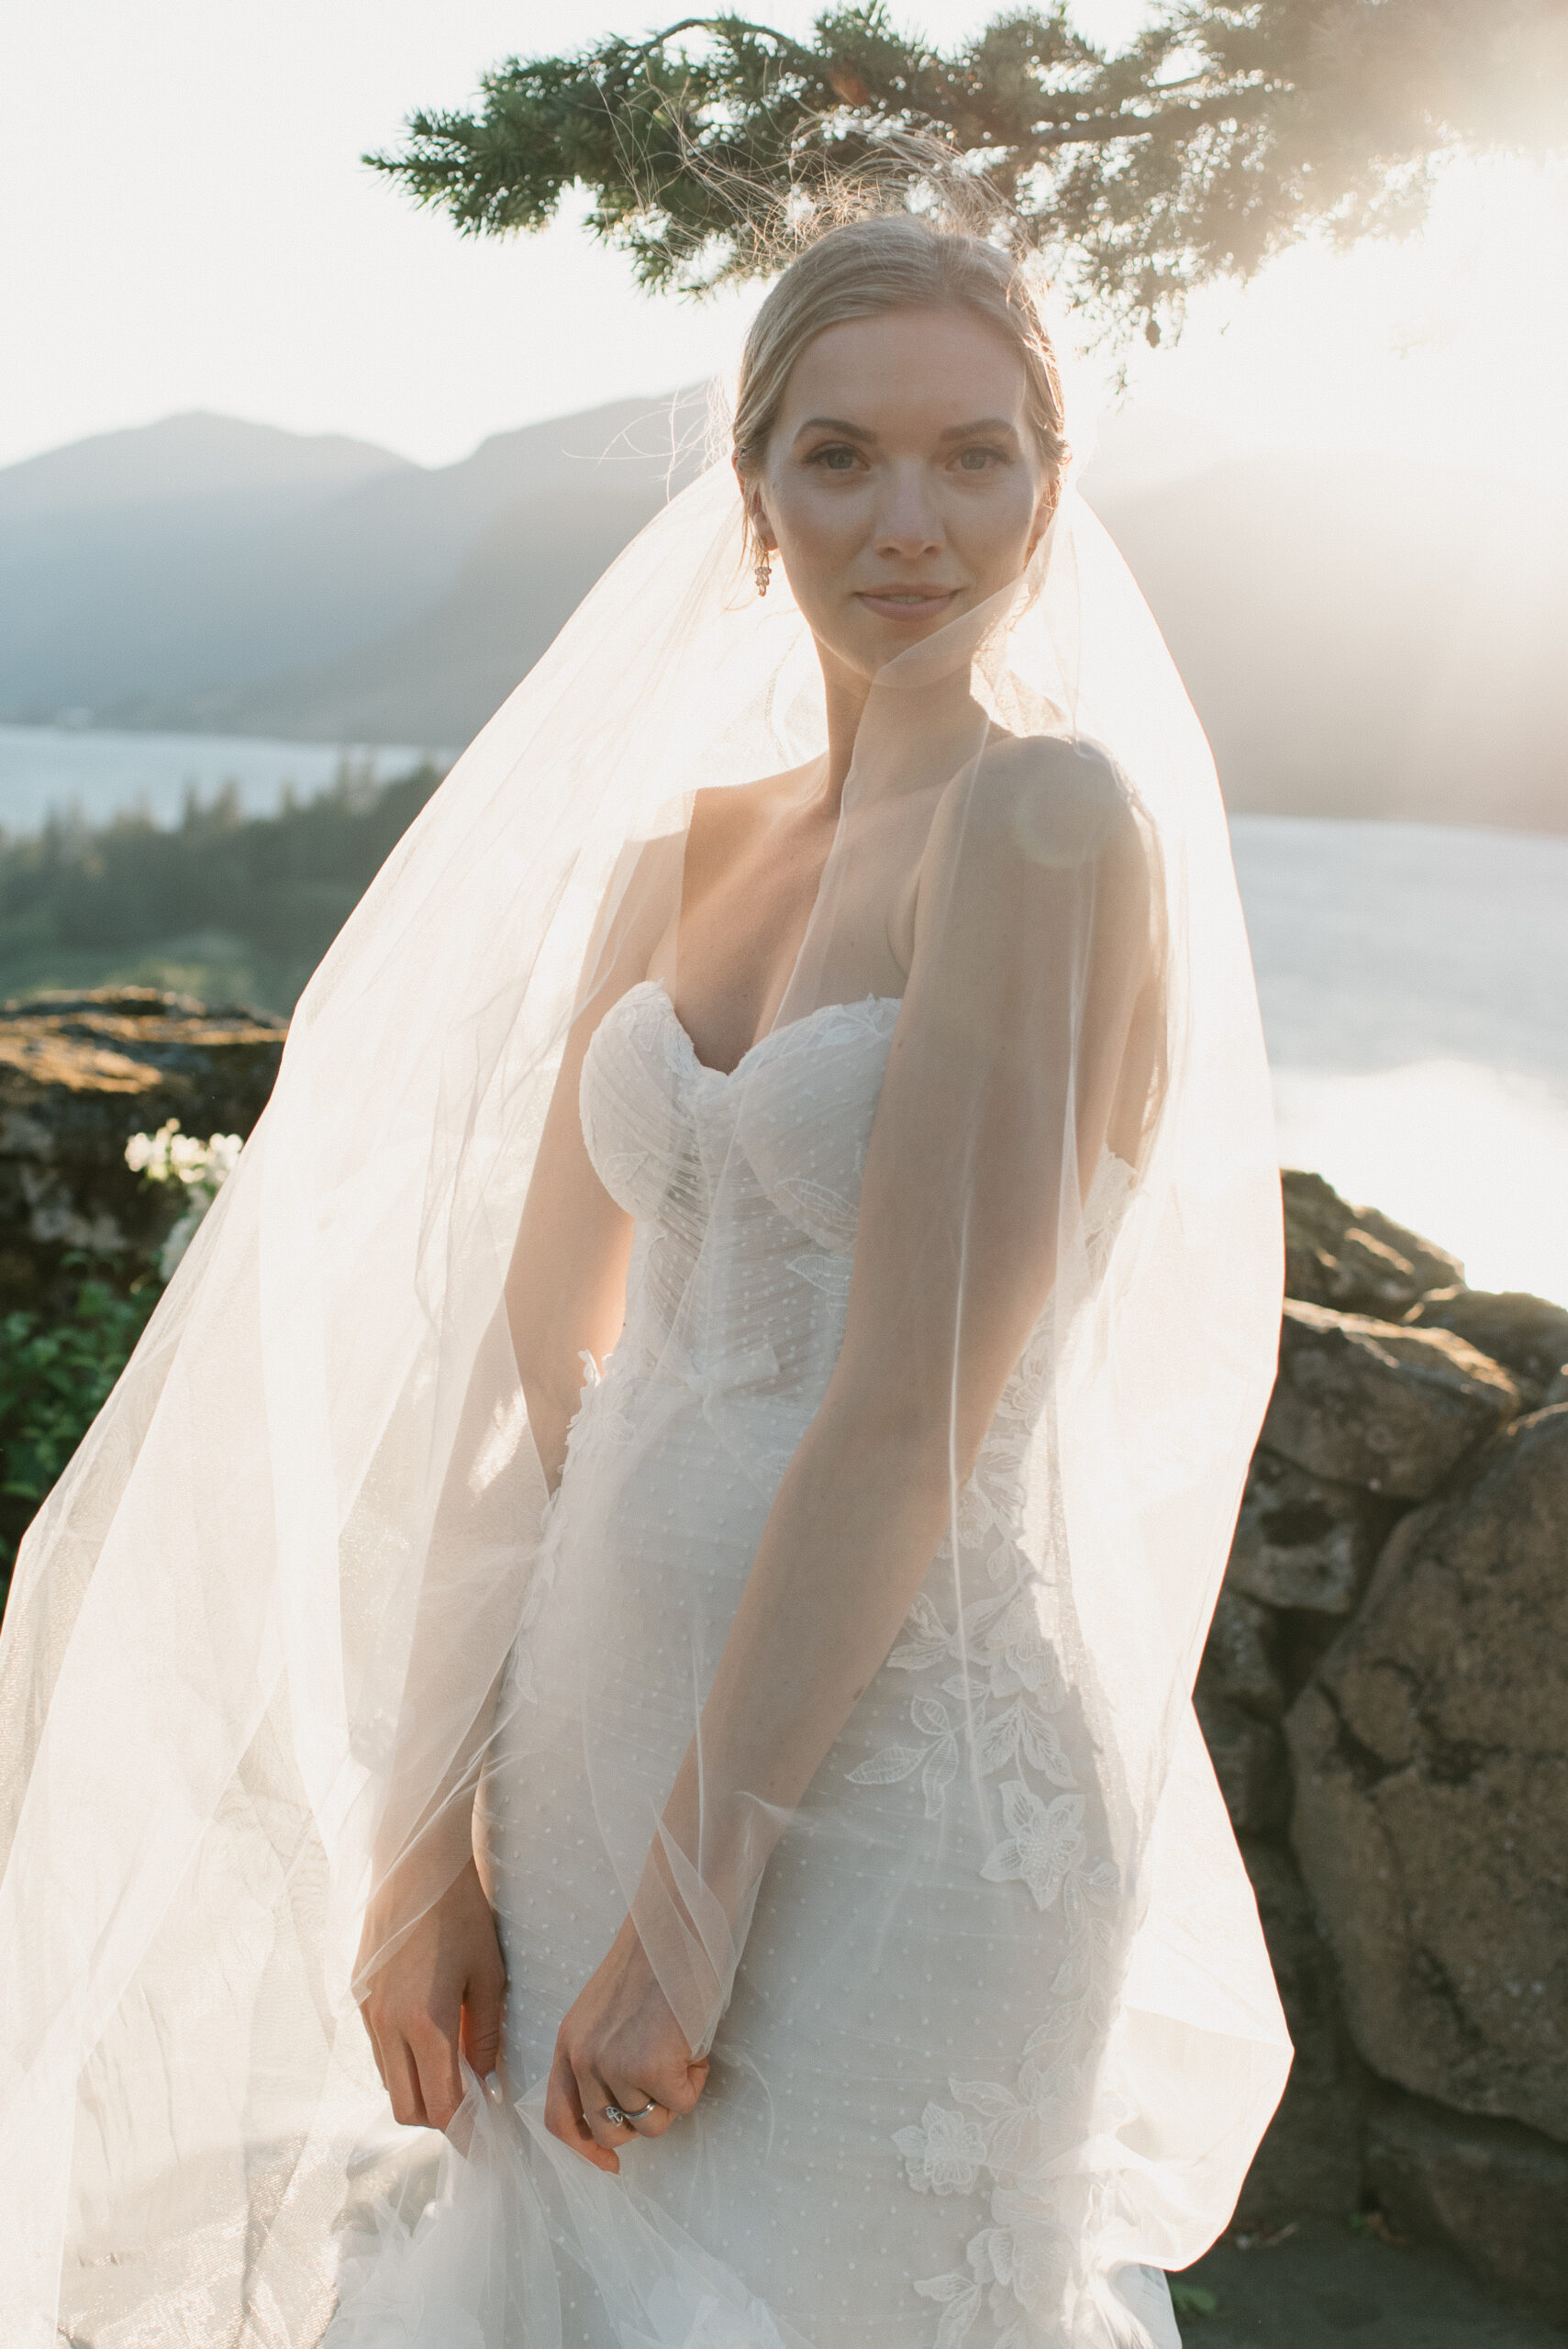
[{"x": 185, "y": 223}]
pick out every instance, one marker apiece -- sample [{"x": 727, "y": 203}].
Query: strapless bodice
[
  {"x": 663, "y": 1129},
  {"x": 744, "y": 1186}
]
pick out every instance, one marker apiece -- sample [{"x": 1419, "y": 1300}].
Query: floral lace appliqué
[
  {"x": 1007, "y": 1686},
  {"x": 1021, "y": 2267},
  {"x": 945, "y": 2154}
]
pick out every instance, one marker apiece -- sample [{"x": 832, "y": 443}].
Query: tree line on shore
[{"x": 222, "y": 905}]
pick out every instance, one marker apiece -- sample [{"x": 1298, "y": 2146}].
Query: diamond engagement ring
[{"x": 619, "y": 2120}]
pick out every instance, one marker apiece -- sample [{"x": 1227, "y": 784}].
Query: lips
[{"x": 905, "y": 603}]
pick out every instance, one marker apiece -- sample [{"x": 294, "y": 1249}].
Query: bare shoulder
[{"x": 1058, "y": 800}]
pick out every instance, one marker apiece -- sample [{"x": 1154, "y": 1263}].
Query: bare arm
[
  {"x": 439, "y": 1988},
  {"x": 566, "y": 1285},
  {"x": 1031, "y": 958}
]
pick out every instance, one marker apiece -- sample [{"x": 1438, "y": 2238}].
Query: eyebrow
[{"x": 953, "y": 432}]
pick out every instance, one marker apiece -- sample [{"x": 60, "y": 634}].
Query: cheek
[
  {"x": 993, "y": 530},
  {"x": 817, "y": 521}
]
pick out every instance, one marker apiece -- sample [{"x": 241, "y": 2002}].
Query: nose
[{"x": 906, "y": 521}]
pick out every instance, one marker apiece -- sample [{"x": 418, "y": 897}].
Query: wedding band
[{"x": 619, "y": 2120}]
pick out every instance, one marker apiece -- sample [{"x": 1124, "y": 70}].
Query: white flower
[
  {"x": 959, "y": 2299},
  {"x": 945, "y": 2154},
  {"x": 1022, "y": 1657},
  {"x": 200, "y": 1167},
  {"x": 1030, "y": 2258},
  {"x": 148, "y": 1154},
  {"x": 1044, "y": 1846}
]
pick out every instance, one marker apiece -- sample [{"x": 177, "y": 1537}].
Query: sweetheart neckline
[{"x": 724, "y": 1076}]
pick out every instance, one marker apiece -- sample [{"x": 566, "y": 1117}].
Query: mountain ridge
[{"x": 1359, "y": 636}]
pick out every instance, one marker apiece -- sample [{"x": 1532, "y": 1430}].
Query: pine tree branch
[{"x": 1284, "y": 118}]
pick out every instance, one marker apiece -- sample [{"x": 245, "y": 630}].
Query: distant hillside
[
  {"x": 139, "y": 565},
  {"x": 156, "y": 578},
  {"x": 186, "y": 458},
  {"x": 1361, "y": 638},
  {"x": 438, "y": 675}
]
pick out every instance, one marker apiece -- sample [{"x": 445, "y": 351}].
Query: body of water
[
  {"x": 52, "y": 769},
  {"x": 1414, "y": 980}
]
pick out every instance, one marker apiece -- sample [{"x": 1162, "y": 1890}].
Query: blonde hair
[{"x": 891, "y": 261}]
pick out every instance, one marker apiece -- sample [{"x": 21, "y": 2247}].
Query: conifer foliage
[{"x": 1224, "y": 133}]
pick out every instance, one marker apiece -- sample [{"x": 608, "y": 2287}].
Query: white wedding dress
[
  {"x": 1003, "y": 2037},
  {"x": 887, "y": 2141}
]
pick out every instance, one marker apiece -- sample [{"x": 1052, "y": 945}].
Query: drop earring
[{"x": 763, "y": 569}]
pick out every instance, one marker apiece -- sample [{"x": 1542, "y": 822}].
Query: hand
[
  {"x": 620, "y": 2045},
  {"x": 441, "y": 1987}
]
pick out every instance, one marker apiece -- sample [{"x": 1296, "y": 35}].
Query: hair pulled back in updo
[{"x": 891, "y": 261}]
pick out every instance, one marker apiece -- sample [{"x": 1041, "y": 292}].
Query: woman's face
[{"x": 903, "y": 483}]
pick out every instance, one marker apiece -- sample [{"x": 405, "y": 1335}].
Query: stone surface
[
  {"x": 1526, "y": 1334},
  {"x": 1354, "y": 1258},
  {"x": 1326, "y": 2286},
  {"x": 1493, "y": 2191},
  {"x": 1239, "y": 1655},
  {"x": 80, "y": 1074},
  {"x": 1310, "y": 2160},
  {"x": 1249, "y": 1762},
  {"x": 1240, "y": 1699},
  {"x": 1371, "y": 1403},
  {"x": 1431, "y": 1792},
  {"x": 1301, "y": 1541}
]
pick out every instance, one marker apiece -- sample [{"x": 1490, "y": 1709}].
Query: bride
[{"x": 658, "y": 1543}]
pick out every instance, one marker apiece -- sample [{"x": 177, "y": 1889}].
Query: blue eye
[
  {"x": 974, "y": 461},
  {"x": 838, "y": 460}
]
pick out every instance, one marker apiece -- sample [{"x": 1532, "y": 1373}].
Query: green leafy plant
[
  {"x": 55, "y": 1377},
  {"x": 1192, "y": 2299},
  {"x": 1227, "y": 130}
]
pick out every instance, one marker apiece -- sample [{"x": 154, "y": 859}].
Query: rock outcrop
[
  {"x": 1312, "y": 2159},
  {"x": 1303, "y": 1540},
  {"x": 80, "y": 1074},
  {"x": 1382, "y": 1694},
  {"x": 1391, "y": 1409},
  {"x": 1431, "y": 1792},
  {"x": 1526, "y": 1334},
  {"x": 1353, "y": 1258}
]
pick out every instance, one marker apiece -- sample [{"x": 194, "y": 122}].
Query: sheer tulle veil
[{"x": 257, "y": 1648}]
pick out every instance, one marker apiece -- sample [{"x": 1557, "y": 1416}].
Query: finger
[
  {"x": 592, "y": 2096},
  {"x": 681, "y": 2087},
  {"x": 675, "y": 2089},
  {"x": 483, "y": 2008},
  {"x": 440, "y": 2080},
  {"x": 563, "y": 2115},
  {"x": 402, "y": 2076},
  {"x": 644, "y": 2124},
  {"x": 376, "y": 2043}
]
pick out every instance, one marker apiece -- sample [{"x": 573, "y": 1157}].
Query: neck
[
  {"x": 944, "y": 725},
  {"x": 846, "y": 694}
]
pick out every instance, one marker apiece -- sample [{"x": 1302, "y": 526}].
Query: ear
[{"x": 756, "y": 512}]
